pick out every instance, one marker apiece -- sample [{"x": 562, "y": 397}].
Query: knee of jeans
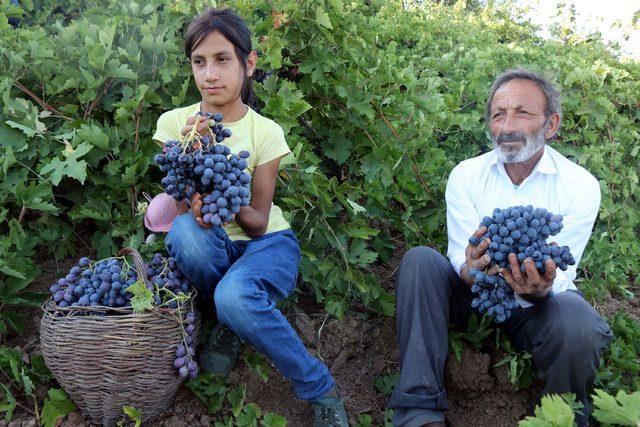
[
  {"x": 179, "y": 235},
  {"x": 181, "y": 242},
  {"x": 578, "y": 330},
  {"x": 421, "y": 256},
  {"x": 233, "y": 305}
]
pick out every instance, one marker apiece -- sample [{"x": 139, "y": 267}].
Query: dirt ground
[{"x": 358, "y": 351}]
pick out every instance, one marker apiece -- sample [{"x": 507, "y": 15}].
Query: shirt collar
[{"x": 545, "y": 165}]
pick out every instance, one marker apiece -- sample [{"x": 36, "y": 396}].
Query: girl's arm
[{"x": 254, "y": 219}]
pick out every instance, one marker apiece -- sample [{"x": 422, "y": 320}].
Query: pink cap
[{"x": 160, "y": 214}]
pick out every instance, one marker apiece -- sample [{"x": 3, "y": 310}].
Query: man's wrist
[
  {"x": 464, "y": 274},
  {"x": 537, "y": 297},
  {"x": 462, "y": 267}
]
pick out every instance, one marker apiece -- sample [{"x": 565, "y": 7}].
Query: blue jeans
[{"x": 245, "y": 279}]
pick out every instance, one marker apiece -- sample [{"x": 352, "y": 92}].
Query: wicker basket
[{"x": 119, "y": 358}]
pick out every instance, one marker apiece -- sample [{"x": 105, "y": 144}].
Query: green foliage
[
  {"x": 553, "y": 411},
  {"x": 134, "y": 414},
  {"x": 475, "y": 334},
  {"x": 622, "y": 410},
  {"x": 212, "y": 391},
  {"x": 20, "y": 376},
  {"x": 17, "y": 269},
  {"x": 258, "y": 365},
  {"x": 519, "y": 365},
  {"x": 364, "y": 420},
  {"x": 273, "y": 420},
  {"x": 56, "y": 406},
  {"x": 374, "y": 136},
  {"x": 386, "y": 383},
  {"x": 558, "y": 411},
  {"x": 142, "y": 297},
  {"x": 620, "y": 368}
]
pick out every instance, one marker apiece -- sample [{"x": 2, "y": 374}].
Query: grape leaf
[
  {"x": 8, "y": 403},
  {"x": 142, "y": 297},
  {"x": 6, "y": 269},
  {"x": 356, "y": 207},
  {"x": 623, "y": 410},
  {"x": 27, "y": 384},
  {"x": 71, "y": 166},
  {"x": 134, "y": 414},
  {"x": 273, "y": 420},
  {"x": 94, "y": 135},
  {"x": 56, "y": 406},
  {"x": 322, "y": 18},
  {"x": 553, "y": 411},
  {"x": 8, "y": 160},
  {"x": 236, "y": 398}
]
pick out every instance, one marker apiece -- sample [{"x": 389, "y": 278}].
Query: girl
[{"x": 245, "y": 267}]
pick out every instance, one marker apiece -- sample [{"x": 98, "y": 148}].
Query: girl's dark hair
[{"x": 233, "y": 27}]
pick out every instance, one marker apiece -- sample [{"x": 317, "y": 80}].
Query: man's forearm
[{"x": 464, "y": 275}]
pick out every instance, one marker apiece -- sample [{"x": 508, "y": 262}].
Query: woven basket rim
[
  {"x": 138, "y": 265},
  {"x": 50, "y": 308}
]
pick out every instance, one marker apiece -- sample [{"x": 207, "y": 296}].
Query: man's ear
[
  {"x": 252, "y": 61},
  {"x": 554, "y": 124}
]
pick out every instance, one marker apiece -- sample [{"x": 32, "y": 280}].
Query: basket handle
[{"x": 137, "y": 262}]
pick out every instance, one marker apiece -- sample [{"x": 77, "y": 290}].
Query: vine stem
[
  {"x": 40, "y": 101},
  {"x": 97, "y": 99},
  {"x": 22, "y": 212},
  {"x": 413, "y": 162}
]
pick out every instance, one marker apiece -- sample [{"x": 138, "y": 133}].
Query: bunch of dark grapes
[
  {"x": 166, "y": 280},
  {"x": 201, "y": 164},
  {"x": 184, "y": 362},
  {"x": 103, "y": 283},
  {"x": 521, "y": 230},
  {"x": 494, "y": 295}
]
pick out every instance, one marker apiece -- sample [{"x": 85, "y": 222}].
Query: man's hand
[
  {"x": 202, "y": 128},
  {"x": 476, "y": 256},
  {"x": 530, "y": 285}
]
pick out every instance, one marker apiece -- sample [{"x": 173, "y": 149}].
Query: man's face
[{"x": 517, "y": 121}]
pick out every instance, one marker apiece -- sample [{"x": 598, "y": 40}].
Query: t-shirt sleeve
[
  {"x": 166, "y": 129},
  {"x": 272, "y": 146}
]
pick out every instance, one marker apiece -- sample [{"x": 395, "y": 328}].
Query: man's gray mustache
[{"x": 512, "y": 137}]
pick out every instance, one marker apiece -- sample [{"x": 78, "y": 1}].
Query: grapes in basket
[
  {"x": 203, "y": 165},
  {"x": 115, "y": 283}
]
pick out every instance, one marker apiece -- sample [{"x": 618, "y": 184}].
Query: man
[{"x": 553, "y": 322}]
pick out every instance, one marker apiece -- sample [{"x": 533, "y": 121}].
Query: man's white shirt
[{"x": 479, "y": 185}]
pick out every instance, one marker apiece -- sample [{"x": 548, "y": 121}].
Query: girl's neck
[{"x": 231, "y": 113}]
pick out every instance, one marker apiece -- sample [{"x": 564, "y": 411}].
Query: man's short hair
[{"x": 553, "y": 103}]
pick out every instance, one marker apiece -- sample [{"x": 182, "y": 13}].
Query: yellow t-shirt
[{"x": 260, "y": 136}]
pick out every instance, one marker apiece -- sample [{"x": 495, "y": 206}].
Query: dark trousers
[{"x": 564, "y": 334}]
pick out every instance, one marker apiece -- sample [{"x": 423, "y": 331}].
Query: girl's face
[{"x": 218, "y": 71}]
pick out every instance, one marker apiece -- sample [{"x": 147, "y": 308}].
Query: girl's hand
[
  {"x": 202, "y": 129},
  {"x": 196, "y": 206},
  {"x": 196, "y": 210}
]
